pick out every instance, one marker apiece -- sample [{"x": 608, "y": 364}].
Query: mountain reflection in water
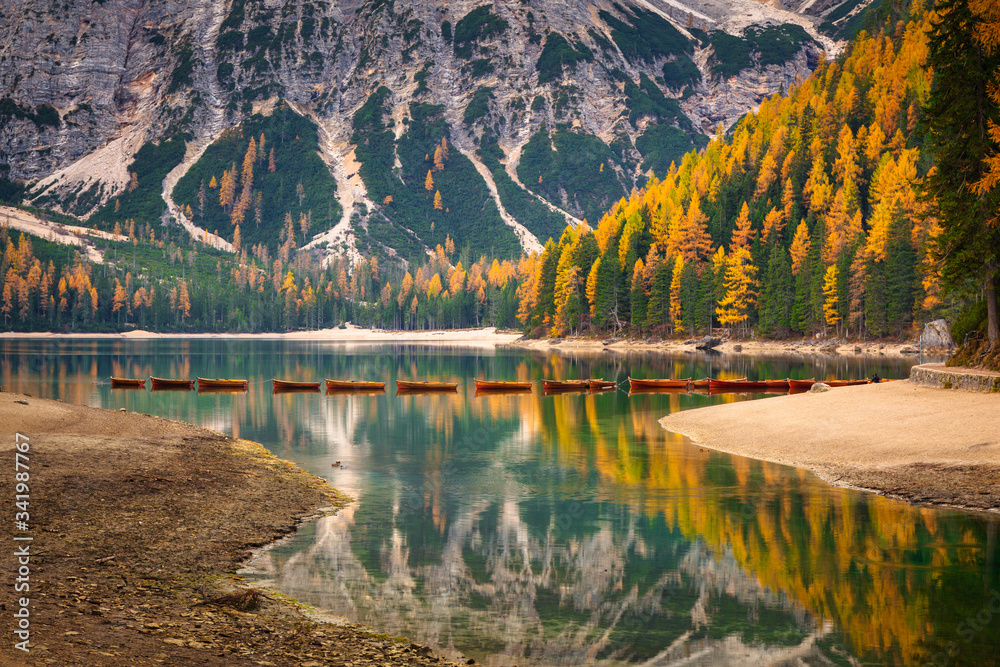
[{"x": 568, "y": 529}]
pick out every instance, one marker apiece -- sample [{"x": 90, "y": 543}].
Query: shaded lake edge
[
  {"x": 959, "y": 480},
  {"x": 139, "y": 526}
]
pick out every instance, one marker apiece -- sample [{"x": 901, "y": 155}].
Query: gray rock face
[
  {"x": 122, "y": 72},
  {"x": 936, "y": 336}
]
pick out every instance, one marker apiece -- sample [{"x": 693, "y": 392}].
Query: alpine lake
[{"x": 571, "y": 529}]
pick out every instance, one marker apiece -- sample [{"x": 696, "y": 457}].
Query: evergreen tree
[
  {"x": 545, "y": 305},
  {"x": 690, "y": 290},
  {"x": 958, "y": 113},
  {"x": 659, "y": 295},
  {"x": 776, "y": 294},
  {"x": 901, "y": 276},
  {"x": 610, "y": 303}
]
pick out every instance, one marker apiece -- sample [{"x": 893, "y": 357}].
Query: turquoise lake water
[{"x": 568, "y": 529}]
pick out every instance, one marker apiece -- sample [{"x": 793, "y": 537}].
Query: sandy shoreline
[
  {"x": 486, "y": 336},
  {"x": 920, "y": 444},
  {"x": 809, "y": 347},
  {"x": 138, "y": 527}
]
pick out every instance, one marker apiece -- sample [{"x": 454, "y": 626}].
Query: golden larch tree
[
  {"x": 676, "y": 319},
  {"x": 800, "y": 247},
  {"x": 740, "y": 286},
  {"x": 831, "y": 297}
]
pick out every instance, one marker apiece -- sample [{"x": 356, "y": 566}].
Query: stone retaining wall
[{"x": 966, "y": 379}]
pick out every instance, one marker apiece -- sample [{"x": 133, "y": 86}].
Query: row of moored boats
[{"x": 494, "y": 386}]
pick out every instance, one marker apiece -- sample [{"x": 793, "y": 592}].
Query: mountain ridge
[{"x": 202, "y": 67}]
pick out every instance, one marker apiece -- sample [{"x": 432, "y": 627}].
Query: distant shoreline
[
  {"x": 491, "y": 337},
  {"x": 486, "y": 336}
]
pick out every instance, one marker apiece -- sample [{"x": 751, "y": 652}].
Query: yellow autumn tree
[
  {"x": 774, "y": 223},
  {"x": 227, "y": 189},
  {"x": 429, "y": 181},
  {"x": 184, "y": 300},
  {"x": 404, "y": 289},
  {"x": 743, "y": 233},
  {"x": 740, "y": 285},
  {"x": 438, "y": 204},
  {"x": 119, "y": 298},
  {"x": 435, "y": 286},
  {"x": 675, "y": 297},
  {"x": 693, "y": 239},
  {"x": 800, "y": 247},
  {"x": 831, "y": 297}
]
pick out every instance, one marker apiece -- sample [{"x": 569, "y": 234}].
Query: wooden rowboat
[
  {"x": 170, "y": 383},
  {"x": 776, "y": 385},
  {"x": 220, "y": 383},
  {"x": 139, "y": 383},
  {"x": 801, "y": 384},
  {"x": 408, "y": 386},
  {"x": 701, "y": 384},
  {"x": 565, "y": 385},
  {"x": 502, "y": 385},
  {"x": 290, "y": 385},
  {"x": 646, "y": 385},
  {"x": 738, "y": 385},
  {"x": 658, "y": 390},
  {"x": 354, "y": 385},
  {"x": 844, "y": 383},
  {"x": 598, "y": 384}
]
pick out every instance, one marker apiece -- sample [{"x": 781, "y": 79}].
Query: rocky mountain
[{"x": 493, "y": 124}]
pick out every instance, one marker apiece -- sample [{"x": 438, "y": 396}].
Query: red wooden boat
[
  {"x": 700, "y": 384},
  {"x": 220, "y": 383},
  {"x": 170, "y": 383},
  {"x": 135, "y": 383},
  {"x": 801, "y": 384},
  {"x": 776, "y": 385},
  {"x": 411, "y": 386},
  {"x": 290, "y": 385},
  {"x": 354, "y": 385},
  {"x": 844, "y": 383},
  {"x": 599, "y": 384},
  {"x": 738, "y": 385},
  {"x": 502, "y": 385},
  {"x": 647, "y": 385},
  {"x": 565, "y": 385}
]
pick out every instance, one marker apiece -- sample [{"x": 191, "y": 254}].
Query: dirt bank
[
  {"x": 136, "y": 522},
  {"x": 920, "y": 444}
]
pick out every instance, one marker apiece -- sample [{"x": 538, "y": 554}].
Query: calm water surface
[{"x": 568, "y": 529}]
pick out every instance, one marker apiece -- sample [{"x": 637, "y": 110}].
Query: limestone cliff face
[{"x": 85, "y": 83}]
